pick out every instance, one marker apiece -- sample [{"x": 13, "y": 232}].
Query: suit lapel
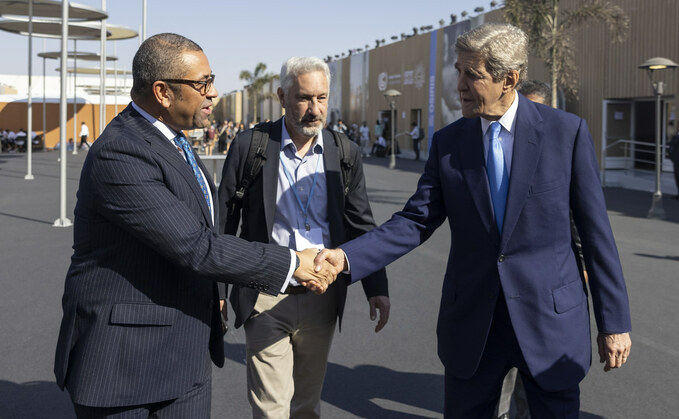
[
  {"x": 168, "y": 152},
  {"x": 270, "y": 174},
  {"x": 474, "y": 169},
  {"x": 527, "y": 146}
]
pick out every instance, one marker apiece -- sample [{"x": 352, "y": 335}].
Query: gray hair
[
  {"x": 160, "y": 57},
  {"x": 503, "y": 48},
  {"x": 537, "y": 88},
  {"x": 296, "y": 66}
]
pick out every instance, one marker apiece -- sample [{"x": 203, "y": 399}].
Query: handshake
[{"x": 318, "y": 269}]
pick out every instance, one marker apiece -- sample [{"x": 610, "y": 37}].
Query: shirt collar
[
  {"x": 286, "y": 140},
  {"x": 507, "y": 120},
  {"x": 168, "y": 132}
]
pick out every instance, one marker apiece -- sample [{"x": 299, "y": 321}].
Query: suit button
[
  {"x": 491, "y": 296},
  {"x": 501, "y": 258}
]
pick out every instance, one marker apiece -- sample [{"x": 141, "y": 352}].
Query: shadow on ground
[
  {"x": 34, "y": 400},
  {"x": 637, "y": 203}
]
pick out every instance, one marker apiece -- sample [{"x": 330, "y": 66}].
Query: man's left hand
[
  {"x": 382, "y": 304},
  {"x": 614, "y": 349}
]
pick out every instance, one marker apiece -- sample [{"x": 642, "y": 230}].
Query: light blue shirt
[
  {"x": 289, "y": 216},
  {"x": 506, "y": 139}
]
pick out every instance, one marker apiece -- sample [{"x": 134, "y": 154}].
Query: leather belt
[{"x": 295, "y": 290}]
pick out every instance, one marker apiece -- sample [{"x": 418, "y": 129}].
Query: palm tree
[
  {"x": 256, "y": 82},
  {"x": 550, "y": 30}
]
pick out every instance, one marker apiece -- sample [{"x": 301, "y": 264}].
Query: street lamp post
[
  {"x": 391, "y": 95},
  {"x": 651, "y": 65}
]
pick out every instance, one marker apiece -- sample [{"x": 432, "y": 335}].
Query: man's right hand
[
  {"x": 315, "y": 276},
  {"x": 335, "y": 257}
]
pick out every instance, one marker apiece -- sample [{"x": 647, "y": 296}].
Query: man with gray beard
[{"x": 301, "y": 198}]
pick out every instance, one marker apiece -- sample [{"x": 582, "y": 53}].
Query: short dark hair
[
  {"x": 538, "y": 88},
  {"x": 160, "y": 57}
]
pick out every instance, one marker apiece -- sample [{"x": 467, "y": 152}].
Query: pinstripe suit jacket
[
  {"x": 348, "y": 216},
  {"x": 140, "y": 315}
]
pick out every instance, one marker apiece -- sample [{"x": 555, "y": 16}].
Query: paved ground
[{"x": 393, "y": 374}]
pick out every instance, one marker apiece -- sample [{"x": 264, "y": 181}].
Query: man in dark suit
[
  {"x": 298, "y": 200},
  {"x": 141, "y": 319},
  {"x": 505, "y": 175}
]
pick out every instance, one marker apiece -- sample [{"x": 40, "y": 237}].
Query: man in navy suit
[
  {"x": 141, "y": 313},
  {"x": 512, "y": 293}
]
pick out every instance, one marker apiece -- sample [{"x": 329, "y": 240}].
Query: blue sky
[{"x": 236, "y": 35}]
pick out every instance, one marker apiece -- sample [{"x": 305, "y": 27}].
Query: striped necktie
[
  {"x": 191, "y": 159},
  {"x": 498, "y": 179}
]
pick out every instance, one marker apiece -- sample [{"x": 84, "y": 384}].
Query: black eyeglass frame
[{"x": 205, "y": 84}]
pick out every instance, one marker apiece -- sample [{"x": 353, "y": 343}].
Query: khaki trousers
[{"x": 288, "y": 340}]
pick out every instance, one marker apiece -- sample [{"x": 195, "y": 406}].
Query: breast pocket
[
  {"x": 142, "y": 314},
  {"x": 547, "y": 186}
]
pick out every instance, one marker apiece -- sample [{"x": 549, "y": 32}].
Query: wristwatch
[{"x": 296, "y": 262}]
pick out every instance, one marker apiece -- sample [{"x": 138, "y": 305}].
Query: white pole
[
  {"x": 115, "y": 77},
  {"x": 102, "y": 73},
  {"x": 44, "y": 106},
  {"x": 75, "y": 97},
  {"x": 62, "y": 221},
  {"x": 29, "y": 129},
  {"x": 143, "y": 22}
]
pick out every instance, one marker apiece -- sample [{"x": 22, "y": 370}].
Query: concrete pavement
[{"x": 393, "y": 374}]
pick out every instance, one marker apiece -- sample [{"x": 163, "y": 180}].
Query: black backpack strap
[
  {"x": 346, "y": 164},
  {"x": 253, "y": 162}
]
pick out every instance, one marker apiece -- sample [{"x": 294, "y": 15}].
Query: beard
[{"x": 308, "y": 126}]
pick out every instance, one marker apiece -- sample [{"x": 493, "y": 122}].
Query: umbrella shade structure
[
  {"x": 50, "y": 8},
  {"x": 94, "y": 70},
  {"x": 115, "y": 32},
  {"x": 78, "y": 55},
  {"x": 43, "y": 28}
]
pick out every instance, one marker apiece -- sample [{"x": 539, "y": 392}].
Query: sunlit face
[
  {"x": 191, "y": 109},
  {"x": 479, "y": 94},
  {"x": 306, "y": 104}
]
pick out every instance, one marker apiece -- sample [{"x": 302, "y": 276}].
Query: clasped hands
[{"x": 317, "y": 270}]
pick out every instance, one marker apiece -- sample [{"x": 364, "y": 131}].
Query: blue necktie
[
  {"x": 188, "y": 152},
  {"x": 498, "y": 179}
]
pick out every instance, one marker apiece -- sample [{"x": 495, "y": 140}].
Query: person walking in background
[
  {"x": 416, "y": 135},
  {"x": 141, "y": 320},
  {"x": 210, "y": 136},
  {"x": 300, "y": 198},
  {"x": 84, "y": 135},
  {"x": 505, "y": 176},
  {"x": 222, "y": 137},
  {"x": 364, "y": 133},
  {"x": 378, "y": 130}
]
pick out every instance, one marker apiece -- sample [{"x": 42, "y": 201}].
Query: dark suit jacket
[
  {"x": 348, "y": 216},
  {"x": 141, "y": 317},
  {"x": 532, "y": 264}
]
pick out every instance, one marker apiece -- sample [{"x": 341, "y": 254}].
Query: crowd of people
[{"x": 17, "y": 141}]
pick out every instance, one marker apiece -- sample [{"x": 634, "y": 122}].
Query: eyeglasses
[{"x": 205, "y": 85}]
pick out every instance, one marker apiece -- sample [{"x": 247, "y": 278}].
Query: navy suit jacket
[
  {"x": 532, "y": 263},
  {"x": 141, "y": 318},
  {"x": 348, "y": 216}
]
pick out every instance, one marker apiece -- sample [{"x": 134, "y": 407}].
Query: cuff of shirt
[
  {"x": 346, "y": 259},
  {"x": 293, "y": 264}
]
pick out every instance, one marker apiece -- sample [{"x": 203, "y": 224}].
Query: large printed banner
[
  {"x": 358, "y": 85},
  {"x": 335, "y": 99},
  {"x": 451, "y": 108}
]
